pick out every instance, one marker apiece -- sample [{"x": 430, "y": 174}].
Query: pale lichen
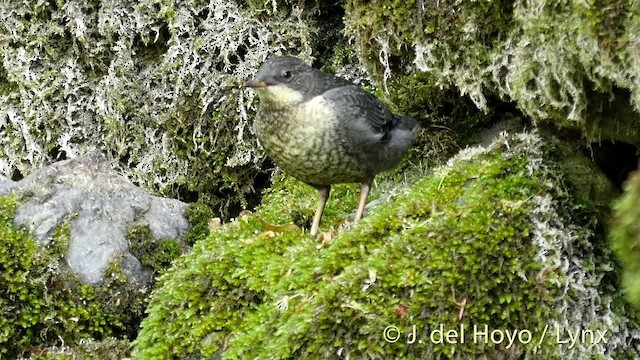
[
  {"x": 573, "y": 63},
  {"x": 155, "y": 85}
]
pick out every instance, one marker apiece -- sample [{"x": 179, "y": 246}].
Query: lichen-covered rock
[
  {"x": 493, "y": 238},
  {"x": 625, "y": 237},
  {"x": 98, "y": 210},
  {"x": 154, "y": 85},
  {"x": 573, "y": 63}
]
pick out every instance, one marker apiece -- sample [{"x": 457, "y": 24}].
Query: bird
[{"x": 324, "y": 130}]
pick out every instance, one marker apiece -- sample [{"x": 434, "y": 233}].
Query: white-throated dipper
[{"x": 324, "y": 130}]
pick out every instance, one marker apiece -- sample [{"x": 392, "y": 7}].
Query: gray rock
[
  {"x": 100, "y": 205},
  {"x": 6, "y": 185}
]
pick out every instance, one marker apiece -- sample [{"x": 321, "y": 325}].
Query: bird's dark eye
[{"x": 286, "y": 74}]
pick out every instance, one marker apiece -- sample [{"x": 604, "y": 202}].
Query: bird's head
[{"x": 282, "y": 81}]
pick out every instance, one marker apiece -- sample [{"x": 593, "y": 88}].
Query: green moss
[
  {"x": 198, "y": 214},
  {"x": 160, "y": 82},
  {"x": 592, "y": 189},
  {"x": 41, "y": 306},
  {"x": 464, "y": 232},
  {"x": 59, "y": 245},
  {"x": 571, "y": 63},
  {"x": 625, "y": 237},
  {"x": 417, "y": 95},
  {"x": 6, "y": 86},
  {"x": 333, "y": 294},
  {"x": 154, "y": 253},
  {"x": 467, "y": 29},
  {"x": 210, "y": 178},
  {"x": 342, "y": 54}
]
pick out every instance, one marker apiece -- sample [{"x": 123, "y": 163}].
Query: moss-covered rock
[
  {"x": 493, "y": 238},
  {"x": 625, "y": 237},
  {"x": 573, "y": 63},
  {"x": 155, "y": 85},
  {"x": 43, "y": 305},
  {"x": 154, "y": 253}
]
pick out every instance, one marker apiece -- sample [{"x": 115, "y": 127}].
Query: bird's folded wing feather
[{"x": 355, "y": 104}]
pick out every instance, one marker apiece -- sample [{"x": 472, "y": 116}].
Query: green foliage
[
  {"x": 417, "y": 95},
  {"x": 625, "y": 237},
  {"x": 466, "y": 29},
  {"x": 464, "y": 232},
  {"x": 342, "y": 55},
  {"x": 155, "y": 253},
  {"x": 41, "y": 306}
]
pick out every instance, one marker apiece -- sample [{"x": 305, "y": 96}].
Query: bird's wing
[
  {"x": 317, "y": 82},
  {"x": 352, "y": 104}
]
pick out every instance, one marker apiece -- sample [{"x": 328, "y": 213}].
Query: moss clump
[
  {"x": 42, "y": 306},
  {"x": 473, "y": 230},
  {"x": 625, "y": 237},
  {"x": 59, "y": 245},
  {"x": 198, "y": 214},
  {"x": 154, "y": 253},
  {"x": 409, "y": 29},
  {"x": 572, "y": 63},
  {"x": 417, "y": 95}
]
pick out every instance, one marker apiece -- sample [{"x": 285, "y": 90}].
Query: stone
[{"x": 100, "y": 206}]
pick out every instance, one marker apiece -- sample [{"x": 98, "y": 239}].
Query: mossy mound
[
  {"x": 625, "y": 237},
  {"x": 572, "y": 63},
  {"x": 41, "y": 305},
  {"x": 484, "y": 240}
]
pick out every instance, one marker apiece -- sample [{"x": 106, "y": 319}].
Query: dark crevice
[
  {"x": 153, "y": 50},
  {"x": 262, "y": 181},
  {"x": 57, "y": 153},
  {"x": 616, "y": 159},
  {"x": 16, "y": 175}
]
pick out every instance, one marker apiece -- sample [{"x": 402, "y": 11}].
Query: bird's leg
[
  {"x": 364, "y": 193},
  {"x": 322, "y": 201}
]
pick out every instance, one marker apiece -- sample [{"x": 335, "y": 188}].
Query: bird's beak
[{"x": 255, "y": 84}]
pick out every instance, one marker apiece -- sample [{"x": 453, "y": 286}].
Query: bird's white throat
[{"x": 280, "y": 95}]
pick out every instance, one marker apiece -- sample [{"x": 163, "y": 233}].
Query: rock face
[
  {"x": 100, "y": 206},
  {"x": 103, "y": 94}
]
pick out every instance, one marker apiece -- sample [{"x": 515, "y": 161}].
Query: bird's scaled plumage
[{"x": 324, "y": 130}]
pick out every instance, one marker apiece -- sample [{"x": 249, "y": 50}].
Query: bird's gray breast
[{"x": 305, "y": 141}]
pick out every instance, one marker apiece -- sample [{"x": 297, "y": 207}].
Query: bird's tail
[
  {"x": 403, "y": 132},
  {"x": 406, "y": 123}
]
